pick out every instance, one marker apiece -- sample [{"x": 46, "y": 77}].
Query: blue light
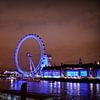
[
  {"x": 56, "y": 74},
  {"x": 98, "y": 73},
  {"x": 83, "y": 73},
  {"x": 72, "y": 73},
  {"x": 44, "y": 61},
  {"x": 20, "y": 43},
  {"x": 47, "y": 74}
]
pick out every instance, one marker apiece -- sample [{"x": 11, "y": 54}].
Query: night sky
[{"x": 69, "y": 29}]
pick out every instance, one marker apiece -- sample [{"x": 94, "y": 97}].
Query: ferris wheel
[{"x": 33, "y": 69}]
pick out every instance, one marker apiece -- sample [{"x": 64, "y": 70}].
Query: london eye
[{"x": 33, "y": 69}]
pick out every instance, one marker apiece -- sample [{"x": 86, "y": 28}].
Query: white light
[
  {"x": 91, "y": 87},
  {"x": 37, "y": 75},
  {"x": 12, "y": 85},
  {"x": 98, "y": 63}
]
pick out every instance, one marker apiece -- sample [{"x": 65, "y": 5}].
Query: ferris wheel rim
[{"x": 20, "y": 43}]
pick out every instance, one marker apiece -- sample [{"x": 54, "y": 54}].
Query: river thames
[{"x": 64, "y": 90}]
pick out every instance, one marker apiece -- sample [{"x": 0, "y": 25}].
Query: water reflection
[
  {"x": 67, "y": 90},
  {"x": 16, "y": 84}
]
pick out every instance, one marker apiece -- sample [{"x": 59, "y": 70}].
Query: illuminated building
[{"x": 72, "y": 71}]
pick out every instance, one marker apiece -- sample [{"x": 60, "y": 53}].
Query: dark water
[{"x": 66, "y": 90}]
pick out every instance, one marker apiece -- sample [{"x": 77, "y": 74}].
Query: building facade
[{"x": 72, "y": 71}]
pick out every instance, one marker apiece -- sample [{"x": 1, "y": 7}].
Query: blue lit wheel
[{"x": 41, "y": 44}]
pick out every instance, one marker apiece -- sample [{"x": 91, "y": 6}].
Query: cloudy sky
[{"x": 69, "y": 29}]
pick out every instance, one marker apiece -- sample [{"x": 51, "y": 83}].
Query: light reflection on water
[{"x": 67, "y": 90}]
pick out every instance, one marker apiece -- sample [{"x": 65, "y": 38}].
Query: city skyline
[{"x": 69, "y": 29}]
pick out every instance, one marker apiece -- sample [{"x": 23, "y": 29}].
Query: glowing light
[
  {"x": 12, "y": 84},
  {"x": 59, "y": 88},
  {"x": 91, "y": 87},
  {"x": 47, "y": 74},
  {"x": 51, "y": 87},
  {"x": 44, "y": 61},
  {"x": 56, "y": 74},
  {"x": 97, "y": 85},
  {"x": 83, "y": 73},
  {"x": 78, "y": 88},
  {"x": 72, "y": 73},
  {"x": 98, "y": 63},
  {"x": 37, "y": 75},
  {"x": 98, "y": 73}
]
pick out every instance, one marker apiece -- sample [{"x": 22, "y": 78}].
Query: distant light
[
  {"x": 98, "y": 63},
  {"x": 37, "y": 75}
]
